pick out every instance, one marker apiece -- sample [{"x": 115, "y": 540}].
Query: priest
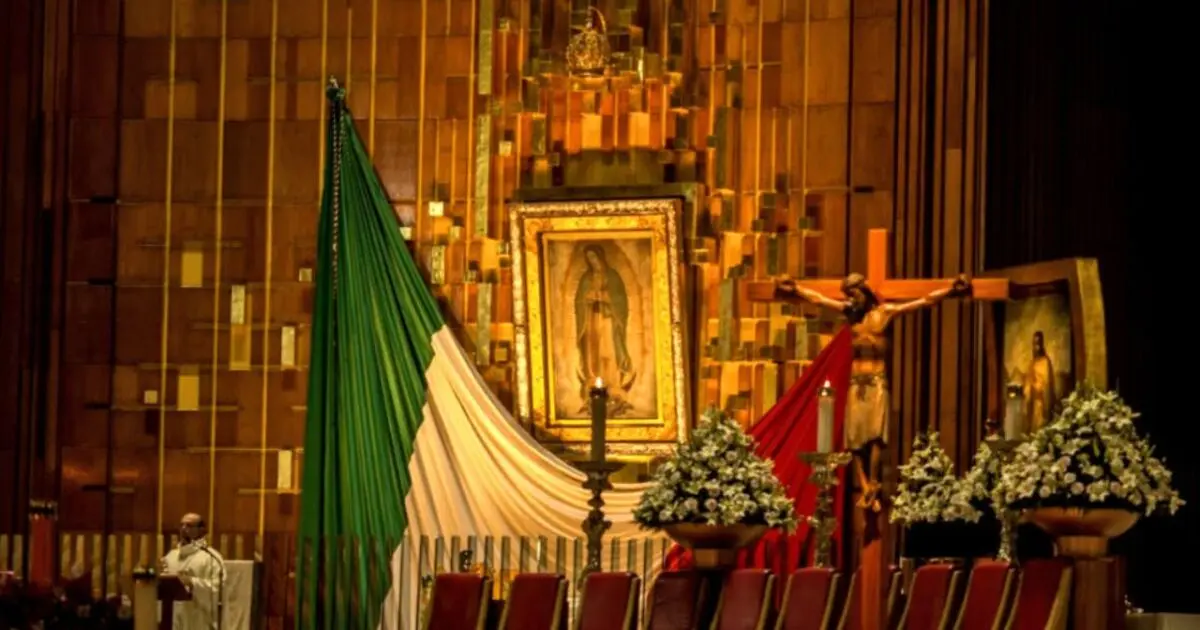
[{"x": 202, "y": 570}]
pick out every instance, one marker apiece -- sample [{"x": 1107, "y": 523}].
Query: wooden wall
[
  {"x": 193, "y": 167},
  {"x": 938, "y": 222},
  {"x": 187, "y": 163},
  {"x": 811, "y": 139},
  {"x": 22, "y": 247}
]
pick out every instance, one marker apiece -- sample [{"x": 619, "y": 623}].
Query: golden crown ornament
[{"x": 588, "y": 51}]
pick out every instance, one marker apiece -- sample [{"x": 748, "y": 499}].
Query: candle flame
[
  {"x": 828, "y": 384},
  {"x": 599, "y": 383}
]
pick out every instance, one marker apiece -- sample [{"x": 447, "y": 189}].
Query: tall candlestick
[
  {"x": 1014, "y": 413},
  {"x": 599, "y": 403},
  {"x": 823, "y": 475},
  {"x": 825, "y": 418},
  {"x": 596, "y": 524}
]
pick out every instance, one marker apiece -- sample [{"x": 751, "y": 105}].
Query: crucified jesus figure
[{"x": 867, "y": 405}]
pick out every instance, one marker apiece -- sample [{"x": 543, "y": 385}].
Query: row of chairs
[{"x": 996, "y": 596}]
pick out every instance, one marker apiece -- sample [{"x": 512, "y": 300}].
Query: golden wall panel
[
  {"x": 800, "y": 115},
  {"x": 88, "y": 335}
]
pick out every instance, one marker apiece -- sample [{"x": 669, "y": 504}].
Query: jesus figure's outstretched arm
[
  {"x": 961, "y": 287},
  {"x": 788, "y": 289}
]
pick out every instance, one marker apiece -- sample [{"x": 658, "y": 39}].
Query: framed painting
[
  {"x": 1047, "y": 338},
  {"x": 597, "y": 295}
]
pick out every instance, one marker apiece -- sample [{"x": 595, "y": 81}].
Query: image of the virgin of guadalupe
[{"x": 601, "y": 324}]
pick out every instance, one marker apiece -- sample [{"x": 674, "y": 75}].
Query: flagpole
[{"x": 337, "y": 102}]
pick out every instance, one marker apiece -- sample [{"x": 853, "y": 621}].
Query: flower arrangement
[
  {"x": 981, "y": 480},
  {"x": 929, "y": 491},
  {"x": 716, "y": 479},
  {"x": 1090, "y": 456}
]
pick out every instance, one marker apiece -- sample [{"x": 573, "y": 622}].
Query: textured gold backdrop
[
  {"x": 178, "y": 133},
  {"x": 184, "y": 138},
  {"x": 204, "y": 122}
]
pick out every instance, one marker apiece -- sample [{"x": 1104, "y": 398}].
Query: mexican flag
[{"x": 403, "y": 437}]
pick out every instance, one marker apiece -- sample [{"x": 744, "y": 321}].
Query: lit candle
[
  {"x": 825, "y": 418},
  {"x": 1014, "y": 413},
  {"x": 599, "y": 401}
]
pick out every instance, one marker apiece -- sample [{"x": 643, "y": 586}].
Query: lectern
[
  {"x": 170, "y": 590},
  {"x": 148, "y": 592}
]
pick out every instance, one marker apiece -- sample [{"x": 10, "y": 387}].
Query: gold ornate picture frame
[
  {"x": 598, "y": 292},
  {"x": 1062, "y": 304}
]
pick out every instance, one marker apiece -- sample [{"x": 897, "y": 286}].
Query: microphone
[{"x": 203, "y": 546}]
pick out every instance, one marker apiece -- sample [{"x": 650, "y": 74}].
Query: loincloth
[{"x": 866, "y": 411}]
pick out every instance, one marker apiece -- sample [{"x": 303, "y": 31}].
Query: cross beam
[
  {"x": 885, "y": 288},
  {"x": 873, "y": 574}
]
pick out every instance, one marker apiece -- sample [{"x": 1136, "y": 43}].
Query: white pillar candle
[
  {"x": 1014, "y": 413},
  {"x": 825, "y": 418}
]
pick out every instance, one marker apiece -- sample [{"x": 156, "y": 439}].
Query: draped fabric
[
  {"x": 239, "y": 589},
  {"x": 371, "y": 323},
  {"x": 404, "y": 439},
  {"x": 783, "y": 433}
]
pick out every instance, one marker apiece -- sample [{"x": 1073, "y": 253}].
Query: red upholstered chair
[
  {"x": 1043, "y": 596},
  {"x": 852, "y": 609},
  {"x": 930, "y": 598},
  {"x": 808, "y": 600},
  {"x": 536, "y": 601},
  {"x": 895, "y": 597},
  {"x": 459, "y": 602},
  {"x": 608, "y": 602},
  {"x": 677, "y": 601},
  {"x": 988, "y": 591},
  {"x": 745, "y": 600}
]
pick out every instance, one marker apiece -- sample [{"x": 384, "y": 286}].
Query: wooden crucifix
[{"x": 869, "y": 304}]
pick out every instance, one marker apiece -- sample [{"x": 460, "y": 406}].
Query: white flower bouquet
[
  {"x": 929, "y": 491},
  {"x": 716, "y": 479},
  {"x": 1090, "y": 456},
  {"x": 981, "y": 480}
]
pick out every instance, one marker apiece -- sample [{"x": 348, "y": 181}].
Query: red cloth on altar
[{"x": 783, "y": 433}]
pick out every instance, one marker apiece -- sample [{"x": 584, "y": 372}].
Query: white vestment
[{"x": 204, "y": 565}]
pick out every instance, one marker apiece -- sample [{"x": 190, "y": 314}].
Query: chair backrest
[
  {"x": 988, "y": 590},
  {"x": 677, "y": 601},
  {"x": 852, "y": 609},
  {"x": 459, "y": 602},
  {"x": 808, "y": 600},
  {"x": 536, "y": 601},
  {"x": 895, "y": 597},
  {"x": 745, "y": 600},
  {"x": 930, "y": 598},
  {"x": 609, "y": 602},
  {"x": 852, "y": 606},
  {"x": 1043, "y": 595}
]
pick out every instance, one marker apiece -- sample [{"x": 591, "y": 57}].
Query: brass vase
[
  {"x": 714, "y": 546},
  {"x": 1082, "y": 532}
]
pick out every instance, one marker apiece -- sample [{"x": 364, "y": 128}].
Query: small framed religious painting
[
  {"x": 597, "y": 289},
  {"x": 1044, "y": 341}
]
